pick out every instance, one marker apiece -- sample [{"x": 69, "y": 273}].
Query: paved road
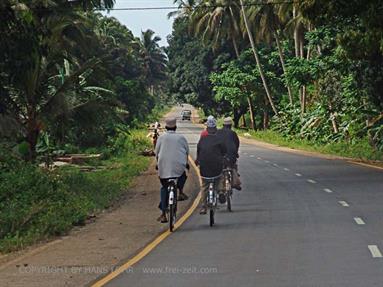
[{"x": 299, "y": 221}]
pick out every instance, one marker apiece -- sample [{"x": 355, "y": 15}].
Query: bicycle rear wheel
[
  {"x": 228, "y": 200},
  {"x": 171, "y": 217},
  {"x": 211, "y": 216},
  {"x": 172, "y": 206}
]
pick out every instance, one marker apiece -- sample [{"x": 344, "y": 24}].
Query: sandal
[
  {"x": 203, "y": 210},
  {"x": 162, "y": 218},
  {"x": 182, "y": 196}
]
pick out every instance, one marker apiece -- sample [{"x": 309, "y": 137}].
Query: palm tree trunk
[
  {"x": 298, "y": 53},
  {"x": 235, "y": 45},
  {"x": 281, "y": 56},
  {"x": 252, "y": 118},
  {"x": 333, "y": 119},
  {"x": 303, "y": 106},
  {"x": 319, "y": 50},
  {"x": 265, "y": 119},
  {"x": 244, "y": 121},
  {"x": 302, "y": 54},
  {"x": 301, "y": 46},
  {"x": 32, "y": 134},
  {"x": 296, "y": 34},
  {"x": 259, "y": 65},
  {"x": 236, "y": 117},
  {"x": 334, "y": 123}
]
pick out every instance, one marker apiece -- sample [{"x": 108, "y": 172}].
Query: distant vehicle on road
[{"x": 186, "y": 115}]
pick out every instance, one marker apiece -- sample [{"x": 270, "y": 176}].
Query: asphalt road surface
[{"x": 298, "y": 221}]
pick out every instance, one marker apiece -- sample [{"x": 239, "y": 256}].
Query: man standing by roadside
[
  {"x": 210, "y": 156},
  {"x": 172, "y": 152}
]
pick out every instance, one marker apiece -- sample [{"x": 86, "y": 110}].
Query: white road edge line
[
  {"x": 298, "y": 174},
  {"x": 311, "y": 181},
  {"x": 259, "y": 158},
  {"x": 375, "y": 252},
  {"x": 252, "y": 155},
  {"x": 328, "y": 190},
  {"x": 274, "y": 164},
  {"x": 359, "y": 221},
  {"x": 343, "y": 203},
  {"x": 286, "y": 169},
  {"x": 266, "y": 161}
]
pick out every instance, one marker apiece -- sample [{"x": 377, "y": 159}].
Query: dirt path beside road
[{"x": 95, "y": 249}]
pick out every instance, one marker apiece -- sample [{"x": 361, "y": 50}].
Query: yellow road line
[{"x": 154, "y": 243}]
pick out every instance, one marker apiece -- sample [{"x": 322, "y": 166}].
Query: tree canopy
[
  {"x": 74, "y": 74},
  {"x": 317, "y": 63}
]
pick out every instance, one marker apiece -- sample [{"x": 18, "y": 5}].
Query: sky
[{"x": 138, "y": 21}]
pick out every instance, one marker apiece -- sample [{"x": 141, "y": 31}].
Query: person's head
[
  {"x": 171, "y": 124},
  {"x": 228, "y": 122},
  {"x": 211, "y": 124}
]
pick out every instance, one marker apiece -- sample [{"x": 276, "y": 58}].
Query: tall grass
[{"x": 36, "y": 204}]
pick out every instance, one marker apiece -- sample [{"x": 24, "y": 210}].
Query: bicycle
[
  {"x": 211, "y": 202},
  {"x": 154, "y": 133},
  {"x": 172, "y": 203},
  {"x": 228, "y": 176}
]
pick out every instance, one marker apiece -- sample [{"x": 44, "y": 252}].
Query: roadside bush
[{"x": 37, "y": 203}]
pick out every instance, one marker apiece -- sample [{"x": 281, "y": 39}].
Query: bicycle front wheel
[
  {"x": 228, "y": 200},
  {"x": 211, "y": 216},
  {"x": 171, "y": 217}
]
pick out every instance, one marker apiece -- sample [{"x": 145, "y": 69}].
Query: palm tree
[
  {"x": 297, "y": 24},
  {"x": 219, "y": 19},
  {"x": 185, "y": 8},
  {"x": 154, "y": 59},
  {"x": 41, "y": 86},
  {"x": 268, "y": 25},
  {"x": 216, "y": 20},
  {"x": 257, "y": 59},
  {"x": 92, "y": 4}
]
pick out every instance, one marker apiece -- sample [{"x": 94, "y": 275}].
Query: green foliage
[
  {"x": 73, "y": 73},
  {"x": 301, "y": 72},
  {"x": 189, "y": 71},
  {"x": 36, "y": 203},
  {"x": 361, "y": 149},
  {"x": 233, "y": 84},
  {"x": 322, "y": 61}
]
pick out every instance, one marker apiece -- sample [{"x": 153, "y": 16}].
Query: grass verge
[
  {"x": 360, "y": 149},
  {"x": 36, "y": 204}
]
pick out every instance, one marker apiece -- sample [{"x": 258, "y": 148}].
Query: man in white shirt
[{"x": 172, "y": 152}]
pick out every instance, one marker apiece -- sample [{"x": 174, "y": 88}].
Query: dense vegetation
[
  {"x": 72, "y": 74},
  {"x": 306, "y": 70},
  {"x": 71, "y": 80},
  {"x": 36, "y": 204}
]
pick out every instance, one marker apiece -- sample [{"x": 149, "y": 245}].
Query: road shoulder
[
  {"x": 370, "y": 164},
  {"x": 90, "y": 252}
]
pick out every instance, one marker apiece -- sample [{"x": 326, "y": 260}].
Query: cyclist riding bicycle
[
  {"x": 231, "y": 140},
  {"x": 172, "y": 152},
  {"x": 211, "y": 151},
  {"x": 154, "y": 133}
]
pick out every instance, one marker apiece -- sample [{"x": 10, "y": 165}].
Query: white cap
[
  {"x": 211, "y": 122},
  {"x": 171, "y": 122},
  {"x": 227, "y": 121}
]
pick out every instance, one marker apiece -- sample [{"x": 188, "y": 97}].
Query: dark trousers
[{"x": 164, "y": 190}]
